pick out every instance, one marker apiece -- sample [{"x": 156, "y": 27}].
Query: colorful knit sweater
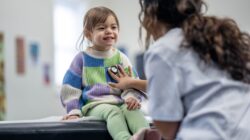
[{"x": 85, "y": 83}]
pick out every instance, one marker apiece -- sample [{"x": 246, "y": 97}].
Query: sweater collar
[{"x": 100, "y": 54}]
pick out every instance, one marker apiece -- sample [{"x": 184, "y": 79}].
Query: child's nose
[{"x": 108, "y": 31}]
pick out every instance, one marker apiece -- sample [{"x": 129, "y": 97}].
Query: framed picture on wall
[
  {"x": 34, "y": 52},
  {"x": 46, "y": 73},
  {"x": 2, "y": 83},
  {"x": 20, "y": 55}
]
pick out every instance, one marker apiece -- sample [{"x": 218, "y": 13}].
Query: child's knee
[{"x": 112, "y": 110}]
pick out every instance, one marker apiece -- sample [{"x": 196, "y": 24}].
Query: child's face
[{"x": 105, "y": 35}]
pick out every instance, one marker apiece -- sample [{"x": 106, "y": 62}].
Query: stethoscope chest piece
[{"x": 114, "y": 69}]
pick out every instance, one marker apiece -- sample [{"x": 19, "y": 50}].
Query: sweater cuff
[
  {"x": 75, "y": 112},
  {"x": 131, "y": 93}
]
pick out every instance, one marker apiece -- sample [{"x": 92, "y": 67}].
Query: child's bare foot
[{"x": 147, "y": 134}]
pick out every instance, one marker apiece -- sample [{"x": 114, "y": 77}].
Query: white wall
[
  {"x": 27, "y": 96},
  {"x": 236, "y": 9},
  {"x": 68, "y": 19}
]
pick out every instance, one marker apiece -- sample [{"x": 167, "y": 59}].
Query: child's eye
[
  {"x": 100, "y": 28},
  {"x": 114, "y": 27}
]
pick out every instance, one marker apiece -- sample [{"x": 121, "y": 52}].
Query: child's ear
[{"x": 88, "y": 35}]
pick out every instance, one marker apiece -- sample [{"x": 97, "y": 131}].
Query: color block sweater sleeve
[
  {"x": 72, "y": 86},
  {"x": 137, "y": 94}
]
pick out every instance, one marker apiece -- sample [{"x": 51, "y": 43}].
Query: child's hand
[
  {"x": 132, "y": 103},
  {"x": 70, "y": 117}
]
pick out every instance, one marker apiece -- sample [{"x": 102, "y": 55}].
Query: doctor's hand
[{"x": 123, "y": 79}]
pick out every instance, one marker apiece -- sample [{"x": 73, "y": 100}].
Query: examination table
[
  {"x": 60, "y": 130},
  {"x": 52, "y": 128}
]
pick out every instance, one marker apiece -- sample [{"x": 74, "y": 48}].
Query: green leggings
[{"x": 120, "y": 120}]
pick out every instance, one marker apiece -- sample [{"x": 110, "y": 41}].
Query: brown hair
[
  {"x": 217, "y": 40},
  {"x": 97, "y": 15}
]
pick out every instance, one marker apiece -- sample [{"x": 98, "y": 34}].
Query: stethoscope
[{"x": 114, "y": 69}]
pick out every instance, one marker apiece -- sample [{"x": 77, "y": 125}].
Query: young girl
[
  {"x": 198, "y": 72},
  {"x": 85, "y": 90}
]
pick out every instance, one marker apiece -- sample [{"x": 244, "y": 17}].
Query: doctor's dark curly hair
[{"x": 217, "y": 40}]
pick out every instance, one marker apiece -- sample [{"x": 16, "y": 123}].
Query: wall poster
[
  {"x": 20, "y": 55},
  {"x": 46, "y": 73},
  {"x": 34, "y": 52},
  {"x": 2, "y": 90}
]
